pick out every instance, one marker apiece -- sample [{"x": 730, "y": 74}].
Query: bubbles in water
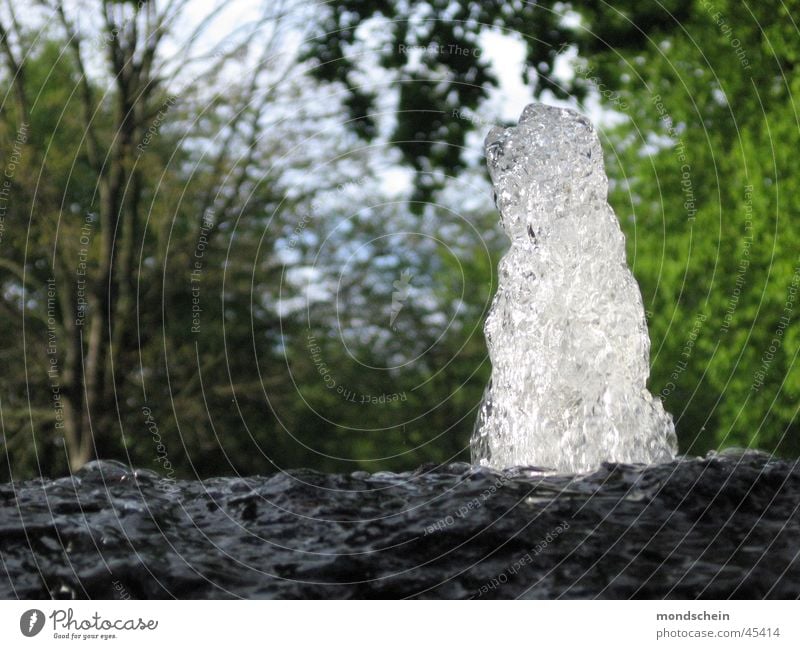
[{"x": 566, "y": 332}]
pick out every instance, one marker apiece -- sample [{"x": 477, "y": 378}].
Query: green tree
[
  {"x": 429, "y": 52},
  {"x": 392, "y": 363},
  {"x": 704, "y": 167},
  {"x": 697, "y": 169},
  {"x": 139, "y": 217}
]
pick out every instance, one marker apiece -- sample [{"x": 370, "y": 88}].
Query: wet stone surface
[{"x": 722, "y": 526}]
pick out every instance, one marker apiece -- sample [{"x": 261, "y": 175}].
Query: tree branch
[
  {"x": 17, "y": 75},
  {"x": 86, "y": 95}
]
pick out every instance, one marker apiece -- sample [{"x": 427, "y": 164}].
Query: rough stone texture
[
  {"x": 566, "y": 332},
  {"x": 717, "y": 527}
]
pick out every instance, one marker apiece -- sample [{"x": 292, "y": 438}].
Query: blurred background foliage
[{"x": 274, "y": 226}]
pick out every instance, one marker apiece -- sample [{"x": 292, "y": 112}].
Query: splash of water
[{"x": 566, "y": 332}]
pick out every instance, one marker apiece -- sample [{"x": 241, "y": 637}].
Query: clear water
[{"x": 566, "y": 332}]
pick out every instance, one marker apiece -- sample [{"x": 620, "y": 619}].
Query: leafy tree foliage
[
  {"x": 430, "y": 52},
  {"x": 240, "y": 314},
  {"x": 704, "y": 167},
  {"x": 698, "y": 168}
]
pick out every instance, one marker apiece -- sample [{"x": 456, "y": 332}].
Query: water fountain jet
[{"x": 566, "y": 332}]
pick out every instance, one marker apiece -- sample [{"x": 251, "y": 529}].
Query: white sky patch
[
  {"x": 570, "y": 18},
  {"x": 234, "y": 15},
  {"x": 398, "y": 181},
  {"x": 506, "y": 53},
  {"x": 313, "y": 288},
  {"x": 563, "y": 69}
]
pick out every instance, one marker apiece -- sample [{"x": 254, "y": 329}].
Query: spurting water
[{"x": 566, "y": 332}]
